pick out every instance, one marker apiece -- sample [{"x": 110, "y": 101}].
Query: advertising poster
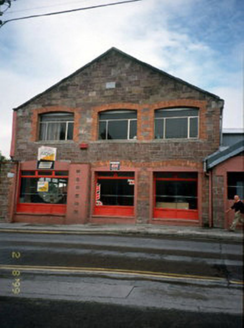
[
  {"x": 47, "y": 153},
  {"x": 42, "y": 186}
]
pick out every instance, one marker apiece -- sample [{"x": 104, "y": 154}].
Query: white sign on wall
[
  {"x": 47, "y": 153},
  {"x": 114, "y": 166}
]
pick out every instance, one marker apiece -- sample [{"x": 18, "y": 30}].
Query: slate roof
[
  {"x": 223, "y": 154},
  {"x": 107, "y": 53}
]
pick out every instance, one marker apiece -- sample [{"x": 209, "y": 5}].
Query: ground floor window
[
  {"x": 42, "y": 191},
  {"x": 235, "y": 184},
  {"x": 175, "y": 195},
  {"x": 114, "y": 193}
]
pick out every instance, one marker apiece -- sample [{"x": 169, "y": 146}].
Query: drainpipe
[
  {"x": 221, "y": 127},
  {"x": 210, "y": 200},
  {"x": 13, "y": 139}
]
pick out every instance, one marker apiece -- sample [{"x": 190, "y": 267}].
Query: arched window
[
  {"x": 56, "y": 126},
  {"x": 118, "y": 124},
  {"x": 172, "y": 123}
]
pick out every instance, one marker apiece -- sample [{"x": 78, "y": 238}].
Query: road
[{"x": 152, "y": 279}]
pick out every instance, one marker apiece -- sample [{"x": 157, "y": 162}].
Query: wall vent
[{"x": 110, "y": 85}]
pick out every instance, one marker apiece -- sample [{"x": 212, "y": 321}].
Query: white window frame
[
  {"x": 178, "y": 117},
  {"x": 56, "y": 122},
  {"x": 119, "y": 119},
  {"x": 45, "y": 125}
]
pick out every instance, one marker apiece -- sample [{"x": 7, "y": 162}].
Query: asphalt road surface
[
  {"x": 24, "y": 313},
  {"x": 202, "y": 258},
  {"x": 113, "y": 281}
]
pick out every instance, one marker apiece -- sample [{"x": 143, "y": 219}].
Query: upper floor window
[
  {"x": 118, "y": 124},
  {"x": 56, "y": 126},
  {"x": 172, "y": 123}
]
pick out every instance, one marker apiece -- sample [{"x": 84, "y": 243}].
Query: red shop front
[
  {"x": 52, "y": 196},
  {"x": 175, "y": 195},
  {"x": 114, "y": 194},
  {"x": 43, "y": 192}
]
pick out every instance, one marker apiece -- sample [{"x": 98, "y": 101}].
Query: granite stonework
[{"x": 140, "y": 87}]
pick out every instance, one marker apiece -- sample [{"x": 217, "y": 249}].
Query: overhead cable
[
  {"x": 65, "y": 11},
  {"x": 46, "y": 6}
]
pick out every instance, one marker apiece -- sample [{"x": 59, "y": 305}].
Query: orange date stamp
[{"x": 16, "y": 284}]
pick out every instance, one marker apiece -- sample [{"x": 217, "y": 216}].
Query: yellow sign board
[
  {"x": 42, "y": 186},
  {"x": 47, "y": 153}
]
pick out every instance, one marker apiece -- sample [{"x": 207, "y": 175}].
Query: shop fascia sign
[{"x": 46, "y": 157}]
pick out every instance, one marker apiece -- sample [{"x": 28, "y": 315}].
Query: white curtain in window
[{"x": 53, "y": 131}]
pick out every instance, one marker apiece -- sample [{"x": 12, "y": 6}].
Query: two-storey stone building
[{"x": 130, "y": 145}]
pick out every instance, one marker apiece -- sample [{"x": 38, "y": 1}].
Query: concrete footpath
[
  {"x": 131, "y": 292},
  {"x": 136, "y": 230}
]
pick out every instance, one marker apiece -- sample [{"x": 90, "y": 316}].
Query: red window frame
[
  {"x": 36, "y": 208},
  {"x": 167, "y": 213},
  {"x": 113, "y": 210}
]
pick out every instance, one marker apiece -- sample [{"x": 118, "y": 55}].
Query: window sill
[
  {"x": 54, "y": 142},
  {"x": 116, "y": 141},
  {"x": 146, "y": 141},
  {"x": 177, "y": 140}
]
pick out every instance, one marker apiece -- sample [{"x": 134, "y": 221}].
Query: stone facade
[
  {"x": 7, "y": 178},
  {"x": 140, "y": 87}
]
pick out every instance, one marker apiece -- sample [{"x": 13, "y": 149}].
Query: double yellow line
[
  {"x": 55, "y": 232},
  {"x": 128, "y": 273}
]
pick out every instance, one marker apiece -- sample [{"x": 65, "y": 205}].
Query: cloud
[{"x": 233, "y": 116}]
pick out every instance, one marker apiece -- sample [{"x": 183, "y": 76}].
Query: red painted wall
[
  {"x": 220, "y": 199},
  {"x": 78, "y": 187}
]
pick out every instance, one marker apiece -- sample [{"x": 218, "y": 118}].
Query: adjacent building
[
  {"x": 226, "y": 176},
  {"x": 120, "y": 141}
]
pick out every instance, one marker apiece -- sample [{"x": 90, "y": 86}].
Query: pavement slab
[
  {"x": 154, "y": 294},
  {"x": 141, "y": 230}
]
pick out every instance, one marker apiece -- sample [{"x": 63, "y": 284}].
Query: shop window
[
  {"x": 172, "y": 123},
  {"x": 36, "y": 188},
  {"x": 56, "y": 126},
  {"x": 176, "y": 191},
  {"x": 116, "y": 190},
  {"x": 118, "y": 124},
  {"x": 114, "y": 194},
  {"x": 235, "y": 184}
]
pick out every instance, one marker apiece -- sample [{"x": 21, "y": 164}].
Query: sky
[{"x": 199, "y": 41}]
